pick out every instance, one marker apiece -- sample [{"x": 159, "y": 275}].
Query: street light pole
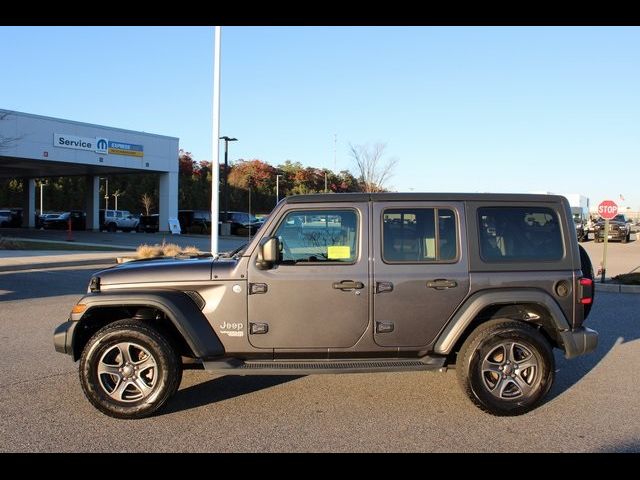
[
  {"x": 226, "y": 174},
  {"x": 278, "y": 188}
]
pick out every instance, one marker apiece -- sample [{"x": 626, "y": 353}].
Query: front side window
[
  {"x": 319, "y": 236},
  {"x": 419, "y": 235},
  {"x": 519, "y": 233}
]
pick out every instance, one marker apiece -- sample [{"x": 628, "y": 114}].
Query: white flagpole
[{"x": 215, "y": 163}]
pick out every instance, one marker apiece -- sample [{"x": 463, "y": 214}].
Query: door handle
[
  {"x": 347, "y": 285},
  {"x": 441, "y": 284}
]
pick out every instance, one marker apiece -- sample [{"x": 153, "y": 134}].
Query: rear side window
[
  {"x": 419, "y": 235},
  {"x": 519, "y": 233}
]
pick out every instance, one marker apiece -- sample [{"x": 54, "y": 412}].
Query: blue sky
[{"x": 504, "y": 109}]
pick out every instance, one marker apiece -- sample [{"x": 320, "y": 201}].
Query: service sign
[{"x": 92, "y": 144}]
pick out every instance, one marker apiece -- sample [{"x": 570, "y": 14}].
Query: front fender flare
[{"x": 177, "y": 306}]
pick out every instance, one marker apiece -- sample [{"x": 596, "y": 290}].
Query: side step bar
[{"x": 309, "y": 367}]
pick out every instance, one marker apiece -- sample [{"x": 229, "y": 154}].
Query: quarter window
[
  {"x": 419, "y": 235},
  {"x": 519, "y": 233},
  {"x": 319, "y": 236}
]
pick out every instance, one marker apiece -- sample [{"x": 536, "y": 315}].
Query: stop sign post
[{"x": 607, "y": 210}]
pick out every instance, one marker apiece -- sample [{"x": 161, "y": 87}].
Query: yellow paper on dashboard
[{"x": 338, "y": 252}]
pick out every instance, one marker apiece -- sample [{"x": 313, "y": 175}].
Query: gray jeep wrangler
[{"x": 349, "y": 283}]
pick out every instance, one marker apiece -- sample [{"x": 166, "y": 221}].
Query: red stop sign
[{"x": 608, "y": 209}]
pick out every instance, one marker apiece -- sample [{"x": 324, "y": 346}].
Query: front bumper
[
  {"x": 613, "y": 235},
  {"x": 579, "y": 341},
  {"x": 63, "y": 337}
]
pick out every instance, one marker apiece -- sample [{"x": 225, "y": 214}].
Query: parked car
[
  {"x": 16, "y": 217},
  {"x": 580, "y": 216},
  {"x": 5, "y": 218},
  {"x": 149, "y": 223},
  {"x": 242, "y": 223},
  {"x": 113, "y": 220},
  {"x": 195, "y": 221},
  {"x": 61, "y": 220},
  {"x": 490, "y": 283},
  {"x": 619, "y": 229}
]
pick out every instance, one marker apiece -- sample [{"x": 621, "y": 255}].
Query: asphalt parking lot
[
  {"x": 621, "y": 257},
  {"x": 592, "y": 407}
]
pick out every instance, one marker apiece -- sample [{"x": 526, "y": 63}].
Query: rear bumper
[
  {"x": 63, "y": 337},
  {"x": 578, "y": 342}
]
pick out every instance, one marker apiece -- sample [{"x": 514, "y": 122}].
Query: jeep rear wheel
[
  {"x": 129, "y": 370},
  {"x": 506, "y": 367}
]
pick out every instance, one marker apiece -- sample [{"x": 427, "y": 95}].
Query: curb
[{"x": 617, "y": 288}]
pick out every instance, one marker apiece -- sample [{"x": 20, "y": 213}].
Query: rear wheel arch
[
  {"x": 532, "y": 314},
  {"x": 530, "y": 307}
]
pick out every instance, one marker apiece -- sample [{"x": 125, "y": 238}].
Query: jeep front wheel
[
  {"x": 506, "y": 367},
  {"x": 129, "y": 370}
]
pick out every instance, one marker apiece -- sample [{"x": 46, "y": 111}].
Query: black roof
[{"x": 459, "y": 197}]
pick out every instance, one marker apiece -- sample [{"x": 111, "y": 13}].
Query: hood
[{"x": 167, "y": 270}]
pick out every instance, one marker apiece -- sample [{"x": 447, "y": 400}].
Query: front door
[
  {"x": 316, "y": 296},
  {"x": 420, "y": 270}
]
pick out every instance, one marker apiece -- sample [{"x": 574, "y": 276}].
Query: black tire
[
  {"x": 508, "y": 395},
  {"x": 625, "y": 239},
  {"x": 112, "y": 227},
  {"x": 159, "y": 376}
]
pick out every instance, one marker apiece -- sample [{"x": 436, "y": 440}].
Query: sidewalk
[{"x": 13, "y": 260}]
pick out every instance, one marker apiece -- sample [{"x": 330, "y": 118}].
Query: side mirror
[{"x": 268, "y": 253}]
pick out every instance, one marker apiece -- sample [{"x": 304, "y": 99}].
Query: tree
[
  {"x": 373, "y": 171},
  {"x": 147, "y": 203}
]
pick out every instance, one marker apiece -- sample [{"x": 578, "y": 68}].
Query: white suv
[{"x": 118, "y": 220}]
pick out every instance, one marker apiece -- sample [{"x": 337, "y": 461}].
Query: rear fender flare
[{"x": 456, "y": 327}]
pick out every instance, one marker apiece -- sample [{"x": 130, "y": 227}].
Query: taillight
[{"x": 586, "y": 291}]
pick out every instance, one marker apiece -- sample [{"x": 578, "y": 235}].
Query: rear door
[{"x": 421, "y": 269}]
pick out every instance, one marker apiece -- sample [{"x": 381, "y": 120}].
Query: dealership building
[{"x": 34, "y": 146}]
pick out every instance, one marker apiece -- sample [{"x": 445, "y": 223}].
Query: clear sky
[{"x": 478, "y": 109}]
